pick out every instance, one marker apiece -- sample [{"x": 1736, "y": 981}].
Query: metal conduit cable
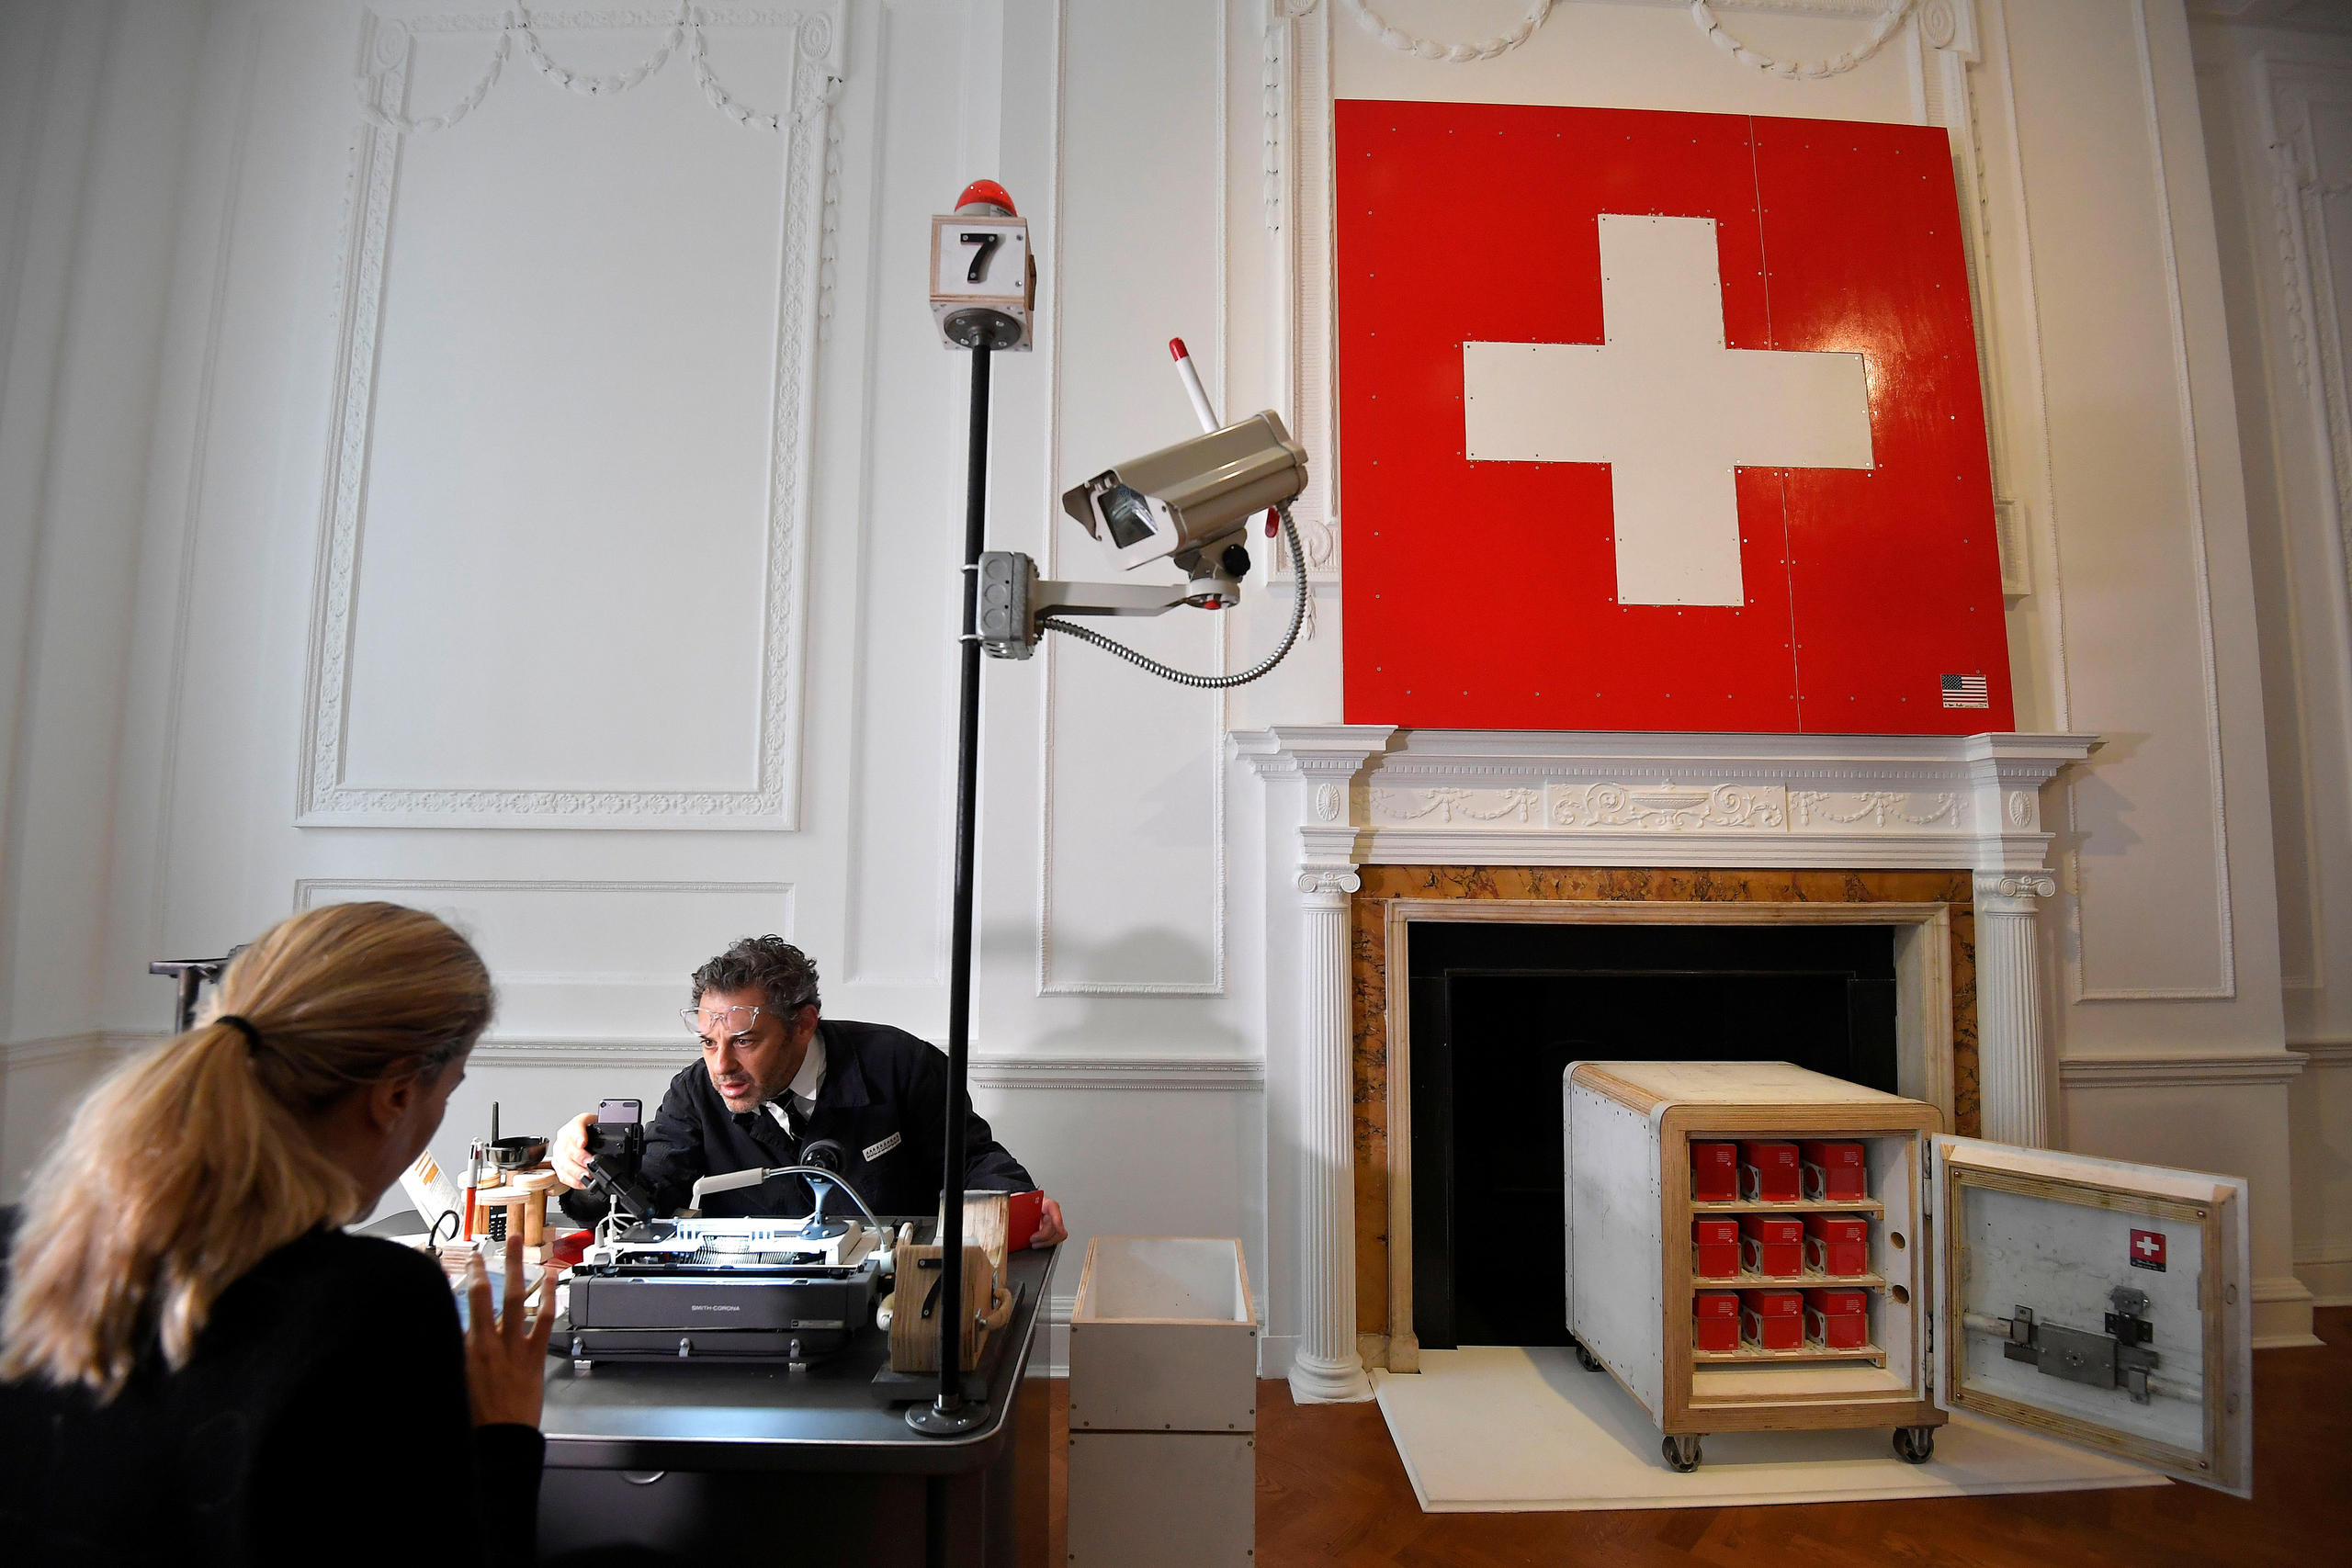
[{"x": 1210, "y": 683}]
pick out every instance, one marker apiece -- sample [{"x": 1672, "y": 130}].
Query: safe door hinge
[{"x": 1927, "y": 1356}]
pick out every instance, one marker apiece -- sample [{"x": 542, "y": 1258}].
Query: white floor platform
[{"x": 1492, "y": 1429}]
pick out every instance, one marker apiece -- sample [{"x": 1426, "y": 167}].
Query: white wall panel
[
  {"x": 567, "y": 511},
  {"x": 910, "y": 535},
  {"x": 2146, "y": 813},
  {"x": 1133, "y": 895},
  {"x": 2278, "y": 128}
]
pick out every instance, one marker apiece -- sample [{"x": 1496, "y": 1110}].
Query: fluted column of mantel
[
  {"x": 1325, "y": 1367},
  {"x": 2014, "y": 1082}
]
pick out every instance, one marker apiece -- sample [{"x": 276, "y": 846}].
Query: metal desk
[{"x": 680, "y": 1459}]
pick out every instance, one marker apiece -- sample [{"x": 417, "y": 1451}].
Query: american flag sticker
[{"x": 1965, "y": 692}]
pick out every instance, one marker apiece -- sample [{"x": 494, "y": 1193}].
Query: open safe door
[{"x": 2097, "y": 1302}]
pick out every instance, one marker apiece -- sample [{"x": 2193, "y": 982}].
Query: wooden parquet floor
[{"x": 1331, "y": 1490}]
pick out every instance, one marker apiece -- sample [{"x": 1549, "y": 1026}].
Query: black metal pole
[{"x": 950, "y": 1400}]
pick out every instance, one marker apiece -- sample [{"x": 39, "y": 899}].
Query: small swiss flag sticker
[{"x": 2148, "y": 1250}]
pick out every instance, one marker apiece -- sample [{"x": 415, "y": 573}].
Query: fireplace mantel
[{"x": 1340, "y": 797}]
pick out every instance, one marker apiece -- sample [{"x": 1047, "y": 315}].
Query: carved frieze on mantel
[{"x": 1575, "y": 798}]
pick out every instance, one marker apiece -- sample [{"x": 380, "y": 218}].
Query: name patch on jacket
[{"x": 876, "y": 1151}]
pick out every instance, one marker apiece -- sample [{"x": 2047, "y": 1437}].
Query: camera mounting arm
[
  {"x": 1014, "y": 600},
  {"x": 1016, "y": 606}
]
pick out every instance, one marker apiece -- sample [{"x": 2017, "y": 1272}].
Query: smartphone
[{"x": 619, "y": 1113}]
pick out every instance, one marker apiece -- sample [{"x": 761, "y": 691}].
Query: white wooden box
[
  {"x": 2099, "y": 1267},
  {"x": 1163, "y": 1404},
  {"x": 1163, "y": 1499},
  {"x": 1163, "y": 1337}
]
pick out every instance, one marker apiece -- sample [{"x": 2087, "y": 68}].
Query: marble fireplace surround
[
  {"x": 1935, "y": 965},
  {"x": 1341, "y": 798}
]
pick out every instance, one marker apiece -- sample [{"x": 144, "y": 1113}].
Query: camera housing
[{"x": 1189, "y": 500}]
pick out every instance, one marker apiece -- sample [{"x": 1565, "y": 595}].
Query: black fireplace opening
[{"x": 1497, "y": 1012}]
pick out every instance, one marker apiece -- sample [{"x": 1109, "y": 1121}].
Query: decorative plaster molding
[
  {"x": 1669, "y": 809},
  {"x": 1878, "y": 805},
  {"x": 1395, "y": 38},
  {"x": 1273, "y": 89},
  {"x": 2034, "y": 885},
  {"x": 326, "y": 800},
  {"x": 1897, "y": 12},
  {"x": 1331, "y": 751},
  {"x": 2179, "y": 1072},
  {"x": 386, "y": 51},
  {"x": 632, "y": 1052},
  {"x": 1005, "y": 1070},
  {"x": 307, "y": 889},
  {"x": 2323, "y": 1054},
  {"x": 1445, "y": 801},
  {"x": 1295, "y": 103},
  {"x": 1606, "y": 798}
]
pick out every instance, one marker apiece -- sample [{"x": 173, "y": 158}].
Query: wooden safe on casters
[{"x": 2089, "y": 1300}]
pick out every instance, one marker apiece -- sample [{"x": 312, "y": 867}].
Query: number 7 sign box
[{"x": 1658, "y": 420}]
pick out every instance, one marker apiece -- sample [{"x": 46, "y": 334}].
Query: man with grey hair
[{"x": 776, "y": 1075}]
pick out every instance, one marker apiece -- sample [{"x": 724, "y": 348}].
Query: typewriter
[{"x": 781, "y": 1291}]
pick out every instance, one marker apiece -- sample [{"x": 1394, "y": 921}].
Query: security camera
[
  {"x": 1192, "y": 500},
  {"x": 1191, "y": 503}
]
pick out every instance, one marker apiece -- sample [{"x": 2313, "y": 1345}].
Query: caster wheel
[
  {"x": 1915, "y": 1444},
  {"x": 1586, "y": 1359},
  {"x": 1681, "y": 1454}
]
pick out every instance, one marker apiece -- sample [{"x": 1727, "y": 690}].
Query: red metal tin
[
  {"x": 1768, "y": 1171},
  {"x": 1837, "y": 1318},
  {"x": 1714, "y": 1249},
  {"x": 1832, "y": 1170},
  {"x": 1836, "y": 1243},
  {"x": 1714, "y": 1172},
  {"x": 1772, "y": 1320},
  {"x": 1715, "y": 1320},
  {"x": 1772, "y": 1244}
]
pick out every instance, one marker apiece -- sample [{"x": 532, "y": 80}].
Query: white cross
[
  {"x": 1667, "y": 407},
  {"x": 2149, "y": 1246}
]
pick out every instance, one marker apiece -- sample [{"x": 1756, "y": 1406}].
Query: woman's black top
[{"x": 323, "y": 1419}]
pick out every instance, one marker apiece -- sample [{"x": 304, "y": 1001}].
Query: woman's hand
[
  {"x": 1051, "y": 1230},
  {"x": 505, "y": 1361}
]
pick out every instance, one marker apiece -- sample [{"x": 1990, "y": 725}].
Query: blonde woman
[{"x": 197, "y": 1365}]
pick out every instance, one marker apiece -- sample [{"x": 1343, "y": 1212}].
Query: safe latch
[{"x": 2116, "y": 1358}]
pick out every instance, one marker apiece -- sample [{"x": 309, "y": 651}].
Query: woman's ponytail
[{"x": 189, "y": 1165}]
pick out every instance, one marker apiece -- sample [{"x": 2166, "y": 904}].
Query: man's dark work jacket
[{"x": 884, "y": 1100}]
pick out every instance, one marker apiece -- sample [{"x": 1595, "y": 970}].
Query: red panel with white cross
[{"x": 1655, "y": 421}]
